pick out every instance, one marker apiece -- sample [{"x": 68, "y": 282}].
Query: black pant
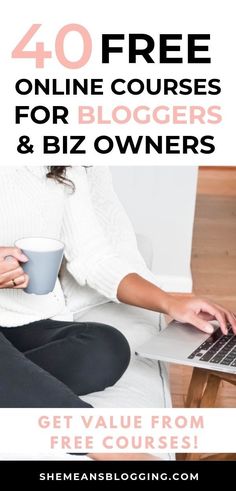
[{"x": 49, "y": 363}]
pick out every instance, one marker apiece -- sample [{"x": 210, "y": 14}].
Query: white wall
[{"x": 160, "y": 202}]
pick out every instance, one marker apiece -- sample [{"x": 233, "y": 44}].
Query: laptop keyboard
[{"x": 217, "y": 349}]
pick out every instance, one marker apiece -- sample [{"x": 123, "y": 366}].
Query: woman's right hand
[{"x": 11, "y": 273}]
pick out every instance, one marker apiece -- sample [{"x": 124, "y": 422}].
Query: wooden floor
[{"x": 213, "y": 261}]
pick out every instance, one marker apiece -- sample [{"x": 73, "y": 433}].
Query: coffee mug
[{"x": 44, "y": 262}]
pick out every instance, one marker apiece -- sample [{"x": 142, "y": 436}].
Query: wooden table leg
[
  {"x": 202, "y": 393},
  {"x": 210, "y": 393},
  {"x": 196, "y": 387}
]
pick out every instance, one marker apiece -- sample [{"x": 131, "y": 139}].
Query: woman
[{"x": 46, "y": 359}]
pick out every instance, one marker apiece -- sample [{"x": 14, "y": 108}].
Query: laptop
[{"x": 186, "y": 345}]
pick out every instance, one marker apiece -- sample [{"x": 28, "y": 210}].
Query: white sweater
[{"x": 100, "y": 245}]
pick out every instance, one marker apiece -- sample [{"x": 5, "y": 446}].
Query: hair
[{"x": 58, "y": 173}]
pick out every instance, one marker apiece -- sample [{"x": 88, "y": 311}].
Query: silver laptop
[{"x": 186, "y": 345}]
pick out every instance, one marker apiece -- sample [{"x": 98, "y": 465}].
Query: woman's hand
[
  {"x": 135, "y": 290},
  {"x": 199, "y": 312},
  {"x": 11, "y": 273}
]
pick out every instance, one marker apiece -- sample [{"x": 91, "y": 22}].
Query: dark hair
[{"x": 58, "y": 173}]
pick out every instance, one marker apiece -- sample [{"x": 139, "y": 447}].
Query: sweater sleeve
[
  {"x": 90, "y": 257},
  {"x": 115, "y": 222}
]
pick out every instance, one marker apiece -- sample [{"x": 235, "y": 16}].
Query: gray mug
[{"x": 45, "y": 257}]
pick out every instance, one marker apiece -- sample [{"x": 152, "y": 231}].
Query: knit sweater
[{"x": 100, "y": 245}]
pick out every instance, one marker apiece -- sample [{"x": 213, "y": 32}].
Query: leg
[
  {"x": 201, "y": 393},
  {"x": 210, "y": 393},
  {"x": 87, "y": 357},
  {"x": 24, "y": 384},
  {"x": 145, "y": 383},
  {"x": 196, "y": 387}
]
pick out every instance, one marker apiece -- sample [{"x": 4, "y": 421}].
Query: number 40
[{"x": 40, "y": 54}]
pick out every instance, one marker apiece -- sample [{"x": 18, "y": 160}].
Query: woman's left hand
[{"x": 199, "y": 312}]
